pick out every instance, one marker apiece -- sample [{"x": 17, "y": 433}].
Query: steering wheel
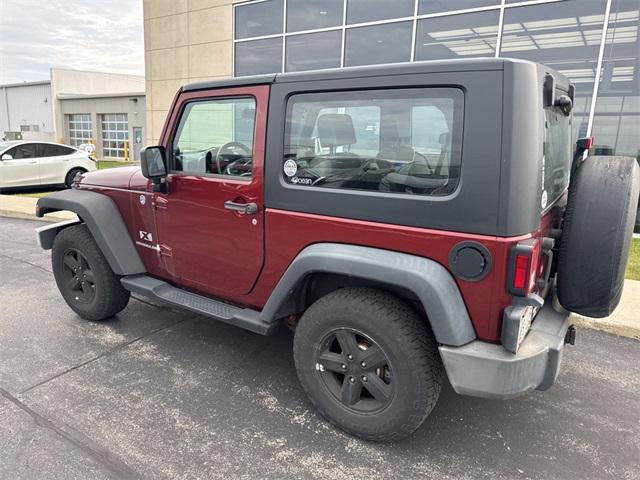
[
  {"x": 230, "y": 149},
  {"x": 236, "y": 164}
]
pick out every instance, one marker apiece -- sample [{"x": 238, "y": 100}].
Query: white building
[{"x": 76, "y": 107}]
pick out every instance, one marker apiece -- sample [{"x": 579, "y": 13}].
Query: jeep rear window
[
  {"x": 557, "y": 155},
  {"x": 404, "y": 141}
]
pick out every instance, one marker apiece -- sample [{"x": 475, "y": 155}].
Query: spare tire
[{"x": 596, "y": 235}]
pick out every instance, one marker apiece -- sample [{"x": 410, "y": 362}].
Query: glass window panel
[
  {"x": 558, "y": 152},
  {"x": 392, "y": 141},
  {"x": 312, "y": 14},
  {"x": 436, "y": 6},
  {"x": 257, "y": 19},
  {"x": 564, "y": 35},
  {"x": 216, "y": 137},
  {"x": 27, "y": 150},
  {"x": 79, "y": 128},
  {"x": 616, "y": 123},
  {"x": 258, "y": 57},
  {"x": 114, "y": 132},
  {"x": 457, "y": 36},
  {"x": 360, "y": 11},
  {"x": 377, "y": 44},
  {"x": 313, "y": 51}
]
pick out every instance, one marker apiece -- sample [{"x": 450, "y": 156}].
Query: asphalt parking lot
[{"x": 157, "y": 393}]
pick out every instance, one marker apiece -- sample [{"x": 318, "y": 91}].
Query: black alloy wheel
[
  {"x": 355, "y": 370},
  {"x": 79, "y": 278},
  {"x": 368, "y": 362},
  {"x": 84, "y": 277}
]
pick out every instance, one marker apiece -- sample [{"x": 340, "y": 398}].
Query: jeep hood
[{"x": 119, "y": 177}]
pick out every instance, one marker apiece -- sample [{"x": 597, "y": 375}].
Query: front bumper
[{"x": 486, "y": 370}]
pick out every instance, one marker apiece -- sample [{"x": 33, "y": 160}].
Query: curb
[
  {"x": 603, "y": 325},
  {"x": 15, "y": 206},
  {"x": 52, "y": 217}
]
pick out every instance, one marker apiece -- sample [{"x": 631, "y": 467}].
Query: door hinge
[{"x": 160, "y": 203}]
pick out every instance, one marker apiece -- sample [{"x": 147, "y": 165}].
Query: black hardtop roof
[
  {"x": 355, "y": 72},
  {"x": 432, "y": 66}
]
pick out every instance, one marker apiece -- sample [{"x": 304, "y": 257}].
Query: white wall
[
  {"x": 28, "y": 104},
  {"x": 90, "y": 83}
]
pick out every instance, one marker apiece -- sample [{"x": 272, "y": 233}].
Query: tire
[
  {"x": 68, "y": 180},
  {"x": 407, "y": 386},
  {"x": 596, "y": 235},
  {"x": 84, "y": 276}
]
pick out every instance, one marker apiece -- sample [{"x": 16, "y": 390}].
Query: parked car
[
  {"x": 451, "y": 238},
  {"x": 37, "y": 164}
]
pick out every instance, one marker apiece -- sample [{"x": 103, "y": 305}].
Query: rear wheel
[
  {"x": 368, "y": 363},
  {"x": 68, "y": 181},
  {"x": 84, "y": 276}
]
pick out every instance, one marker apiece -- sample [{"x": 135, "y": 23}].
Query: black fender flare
[
  {"x": 102, "y": 217},
  {"x": 432, "y": 284}
]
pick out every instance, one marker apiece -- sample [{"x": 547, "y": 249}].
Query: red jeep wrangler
[{"x": 409, "y": 221}]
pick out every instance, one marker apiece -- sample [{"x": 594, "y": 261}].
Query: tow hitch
[{"x": 570, "y": 336}]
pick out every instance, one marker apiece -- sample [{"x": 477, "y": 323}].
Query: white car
[{"x": 35, "y": 164}]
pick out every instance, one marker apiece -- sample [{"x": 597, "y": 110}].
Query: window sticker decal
[{"x": 290, "y": 168}]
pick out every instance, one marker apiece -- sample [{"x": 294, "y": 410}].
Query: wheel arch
[
  {"x": 422, "y": 282},
  {"x": 102, "y": 217}
]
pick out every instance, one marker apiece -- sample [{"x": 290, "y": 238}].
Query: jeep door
[{"x": 210, "y": 222}]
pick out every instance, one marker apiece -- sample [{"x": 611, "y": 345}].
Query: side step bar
[{"x": 164, "y": 292}]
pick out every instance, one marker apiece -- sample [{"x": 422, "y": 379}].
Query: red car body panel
[{"x": 240, "y": 258}]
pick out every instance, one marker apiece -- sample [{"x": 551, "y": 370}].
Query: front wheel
[
  {"x": 368, "y": 363},
  {"x": 84, "y": 276}
]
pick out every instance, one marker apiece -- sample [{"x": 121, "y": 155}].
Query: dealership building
[
  {"x": 78, "y": 107},
  {"x": 593, "y": 42}
]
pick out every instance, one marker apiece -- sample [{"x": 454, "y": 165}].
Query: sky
[{"x": 99, "y": 35}]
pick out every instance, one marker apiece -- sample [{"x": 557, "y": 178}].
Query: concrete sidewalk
[
  {"x": 25, "y": 207},
  {"x": 625, "y": 321}
]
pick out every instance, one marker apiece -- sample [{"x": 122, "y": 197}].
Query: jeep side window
[
  {"x": 393, "y": 141},
  {"x": 216, "y": 137}
]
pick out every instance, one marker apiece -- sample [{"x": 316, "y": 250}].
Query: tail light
[{"x": 523, "y": 267}]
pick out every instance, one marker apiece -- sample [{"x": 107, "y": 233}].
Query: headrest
[{"x": 336, "y": 129}]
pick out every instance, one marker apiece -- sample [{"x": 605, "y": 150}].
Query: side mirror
[
  {"x": 153, "y": 162},
  {"x": 6, "y": 156}
]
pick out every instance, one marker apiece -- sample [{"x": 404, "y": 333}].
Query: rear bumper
[{"x": 486, "y": 370}]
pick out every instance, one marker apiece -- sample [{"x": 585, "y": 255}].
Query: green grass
[
  {"x": 633, "y": 269},
  {"x": 32, "y": 194},
  {"x": 104, "y": 164}
]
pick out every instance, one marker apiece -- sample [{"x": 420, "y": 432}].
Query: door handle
[{"x": 248, "y": 208}]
